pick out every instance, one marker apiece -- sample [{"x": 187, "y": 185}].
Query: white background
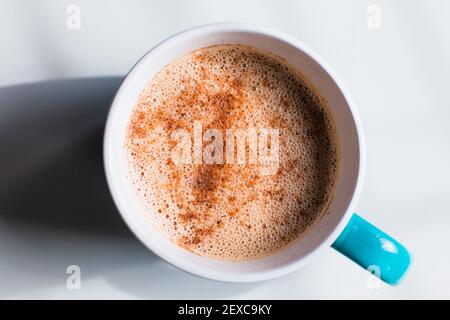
[{"x": 398, "y": 76}]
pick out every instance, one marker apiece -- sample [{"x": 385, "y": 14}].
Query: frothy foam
[{"x": 231, "y": 211}]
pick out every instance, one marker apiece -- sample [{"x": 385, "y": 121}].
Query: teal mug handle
[{"x": 373, "y": 250}]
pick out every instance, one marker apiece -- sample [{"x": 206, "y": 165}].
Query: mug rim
[{"x": 257, "y": 275}]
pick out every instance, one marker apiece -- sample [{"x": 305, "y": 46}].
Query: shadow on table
[
  {"x": 55, "y": 206},
  {"x": 51, "y": 141}
]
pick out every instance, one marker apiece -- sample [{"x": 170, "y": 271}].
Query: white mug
[{"x": 348, "y": 129}]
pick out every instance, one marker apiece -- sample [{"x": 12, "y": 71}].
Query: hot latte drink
[{"x": 232, "y": 152}]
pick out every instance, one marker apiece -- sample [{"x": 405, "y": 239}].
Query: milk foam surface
[{"x": 232, "y": 211}]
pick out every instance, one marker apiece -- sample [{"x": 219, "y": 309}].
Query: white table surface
[{"x": 55, "y": 209}]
